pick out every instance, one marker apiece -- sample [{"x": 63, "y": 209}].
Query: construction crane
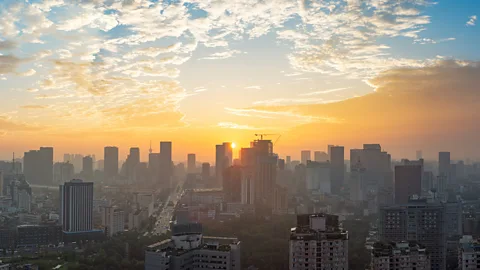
[{"x": 263, "y": 134}]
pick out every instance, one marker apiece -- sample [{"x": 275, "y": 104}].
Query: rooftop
[{"x": 382, "y": 249}]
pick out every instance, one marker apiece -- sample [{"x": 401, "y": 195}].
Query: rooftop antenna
[{"x": 150, "y": 150}]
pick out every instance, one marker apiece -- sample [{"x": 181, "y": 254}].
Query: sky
[{"x": 79, "y": 75}]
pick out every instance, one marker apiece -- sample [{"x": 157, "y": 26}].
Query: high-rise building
[
  {"x": 468, "y": 253},
  {"x": 131, "y": 164},
  {"x": 197, "y": 251},
  {"x": 318, "y": 177},
  {"x": 110, "y": 163},
  {"x": 76, "y": 206},
  {"x": 166, "y": 164},
  {"x": 77, "y": 161},
  {"x": 154, "y": 166},
  {"x": 87, "y": 168},
  {"x": 408, "y": 182},
  {"x": 113, "y": 220},
  {"x": 38, "y": 166},
  {"x": 248, "y": 186},
  {"x": 191, "y": 163},
  {"x": 223, "y": 160},
  {"x": 320, "y": 156},
  {"x": 337, "y": 163},
  {"x": 399, "y": 256},
  {"x": 205, "y": 172},
  {"x": 417, "y": 221},
  {"x": 453, "y": 216},
  {"x": 232, "y": 184},
  {"x": 63, "y": 172},
  {"x": 1, "y": 183},
  {"x": 318, "y": 242},
  {"x": 305, "y": 156},
  {"x": 444, "y": 164},
  {"x": 357, "y": 182}
]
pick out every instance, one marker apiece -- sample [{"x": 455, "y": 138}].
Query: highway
[{"x": 166, "y": 211}]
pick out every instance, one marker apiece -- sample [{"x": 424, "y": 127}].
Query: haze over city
[{"x": 76, "y": 75}]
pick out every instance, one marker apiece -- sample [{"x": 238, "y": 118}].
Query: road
[{"x": 166, "y": 211}]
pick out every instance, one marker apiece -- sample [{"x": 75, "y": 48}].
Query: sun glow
[{"x": 233, "y": 145}]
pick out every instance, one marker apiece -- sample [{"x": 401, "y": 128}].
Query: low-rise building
[
  {"x": 39, "y": 235},
  {"x": 189, "y": 249},
  {"x": 399, "y": 256}
]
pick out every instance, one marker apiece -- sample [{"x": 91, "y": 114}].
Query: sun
[{"x": 233, "y": 145}]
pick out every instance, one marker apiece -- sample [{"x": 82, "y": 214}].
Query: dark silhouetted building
[
  {"x": 110, "y": 163},
  {"x": 408, "y": 182},
  {"x": 76, "y": 206},
  {"x": 305, "y": 155},
  {"x": 223, "y": 160},
  {"x": 444, "y": 164},
  {"x": 205, "y": 172},
  {"x": 337, "y": 165},
  {"x": 232, "y": 184},
  {"x": 87, "y": 168},
  {"x": 166, "y": 165},
  {"x": 38, "y": 166},
  {"x": 132, "y": 162},
  {"x": 191, "y": 163}
]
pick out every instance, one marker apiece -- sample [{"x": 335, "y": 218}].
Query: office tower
[
  {"x": 166, "y": 164},
  {"x": 38, "y": 166},
  {"x": 399, "y": 256},
  {"x": 223, "y": 159},
  {"x": 444, "y": 164},
  {"x": 318, "y": 177},
  {"x": 141, "y": 173},
  {"x": 318, "y": 242},
  {"x": 281, "y": 164},
  {"x": 133, "y": 159},
  {"x": 417, "y": 221},
  {"x": 280, "y": 206},
  {"x": 87, "y": 168},
  {"x": 67, "y": 158},
  {"x": 1, "y": 183},
  {"x": 408, "y": 182},
  {"x": 248, "y": 186},
  {"x": 154, "y": 166},
  {"x": 376, "y": 171},
  {"x": 110, "y": 163},
  {"x": 453, "y": 216},
  {"x": 205, "y": 172},
  {"x": 288, "y": 161},
  {"x": 191, "y": 163},
  {"x": 320, "y": 156},
  {"x": 232, "y": 184},
  {"x": 113, "y": 220},
  {"x": 305, "y": 156},
  {"x": 77, "y": 161},
  {"x": 100, "y": 165},
  {"x": 24, "y": 199},
  {"x": 468, "y": 253},
  {"x": 197, "y": 251},
  {"x": 76, "y": 206},
  {"x": 63, "y": 172},
  {"x": 247, "y": 157},
  {"x": 460, "y": 166},
  {"x": 337, "y": 163},
  {"x": 357, "y": 182}
]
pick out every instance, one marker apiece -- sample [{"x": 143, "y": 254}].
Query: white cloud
[
  {"x": 325, "y": 91},
  {"x": 235, "y": 126},
  {"x": 222, "y": 55},
  {"x": 257, "y": 87},
  {"x": 471, "y": 20}
]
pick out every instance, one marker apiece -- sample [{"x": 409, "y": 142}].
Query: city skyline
[{"x": 78, "y": 75}]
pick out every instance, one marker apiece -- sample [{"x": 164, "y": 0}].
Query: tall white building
[
  {"x": 113, "y": 220},
  {"x": 318, "y": 243},
  {"x": 468, "y": 253},
  {"x": 399, "y": 256},
  {"x": 318, "y": 177},
  {"x": 24, "y": 200},
  {"x": 76, "y": 206}
]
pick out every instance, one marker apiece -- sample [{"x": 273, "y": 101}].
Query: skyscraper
[
  {"x": 76, "y": 206},
  {"x": 205, "y": 171},
  {"x": 63, "y": 172},
  {"x": 417, "y": 221},
  {"x": 87, "y": 167},
  {"x": 154, "y": 166},
  {"x": 318, "y": 242},
  {"x": 110, "y": 163},
  {"x": 318, "y": 177},
  {"x": 444, "y": 164},
  {"x": 132, "y": 161},
  {"x": 191, "y": 163},
  {"x": 305, "y": 156},
  {"x": 337, "y": 163},
  {"x": 408, "y": 182},
  {"x": 223, "y": 159},
  {"x": 38, "y": 166},
  {"x": 166, "y": 165},
  {"x": 232, "y": 184}
]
